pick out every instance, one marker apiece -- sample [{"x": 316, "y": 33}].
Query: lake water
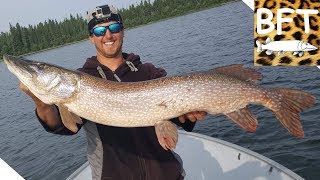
[{"x": 195, "y": 42}]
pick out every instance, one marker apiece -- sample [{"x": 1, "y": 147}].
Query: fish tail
[
  {"x": 259, "y": 46},
  {"x": 288, "y": 103}
]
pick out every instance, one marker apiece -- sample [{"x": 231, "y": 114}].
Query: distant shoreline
[{"x": 188, "y": 12}]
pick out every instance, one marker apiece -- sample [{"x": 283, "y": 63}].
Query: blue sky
[{"x": 35, "y": 11}]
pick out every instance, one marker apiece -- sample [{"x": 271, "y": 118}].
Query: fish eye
[{"x": 41, "y": 66}]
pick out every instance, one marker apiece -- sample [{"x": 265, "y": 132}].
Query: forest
[{"x": 52, "y": 33}]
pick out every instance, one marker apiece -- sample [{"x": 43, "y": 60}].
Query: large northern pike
[{"x": 227, "y": 90}]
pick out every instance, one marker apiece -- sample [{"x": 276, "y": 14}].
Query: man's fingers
[
  {"x": 182, "y": 119},
  {"x": 191, "y": 117},
  {"x": 200, "y": 115},
  {"x": 25, "y": 89},
  {"x": 197, "y": 115}
]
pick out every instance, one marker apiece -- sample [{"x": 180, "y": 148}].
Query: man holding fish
[
  {"x": 118, "y": 152},
  {"x": 130, "y": 123}
]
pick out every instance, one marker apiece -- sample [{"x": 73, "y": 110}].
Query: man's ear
[{"x": 91, "y": 39}]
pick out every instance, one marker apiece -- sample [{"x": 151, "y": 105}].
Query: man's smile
[{"x": 109, "y": 43}]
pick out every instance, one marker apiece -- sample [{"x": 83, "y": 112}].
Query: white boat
[
  {"x": 6, "y": 172},
  {"x": 207, "y": 158}
]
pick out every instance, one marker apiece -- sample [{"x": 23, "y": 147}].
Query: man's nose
[{"x": 108, "y": 34}]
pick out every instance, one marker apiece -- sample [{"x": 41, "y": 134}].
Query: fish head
[
  {"x": 304, "y": 46},
  {"x": 51, "y": 84}
]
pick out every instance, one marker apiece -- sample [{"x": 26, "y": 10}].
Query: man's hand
[
  {"x": 25, "y": 89},
  {"x": 47, "y": 113},
  {"x": 193, "y": 116}
]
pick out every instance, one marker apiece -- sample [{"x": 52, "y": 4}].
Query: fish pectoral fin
[
  {"x": 244, "y": 118},
  {"x": 268, "y": 40},
  {"x": 269, "y": 52},
  {"x": 239, "y": 72},
  {"x": 295, "y": 53},
  {"x": 300, "y": 53},
  {"x": 167, "y": 134},
  {"x": 69, "y": 119}
]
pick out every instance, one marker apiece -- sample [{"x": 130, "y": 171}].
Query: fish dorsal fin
[
  {"x": 69, "y": 119},
  {"x": 268, "y": 40},
  {"x": 295, "y": 53},
  {"x": 239, "y": 72}
]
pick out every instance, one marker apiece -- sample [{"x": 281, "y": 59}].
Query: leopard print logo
[{"x": 287, "y": 33}]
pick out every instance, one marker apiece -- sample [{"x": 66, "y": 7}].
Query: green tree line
[{"x": 21, "y": 40}]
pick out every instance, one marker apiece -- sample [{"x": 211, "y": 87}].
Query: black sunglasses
[{"x": 101, "y": 30}]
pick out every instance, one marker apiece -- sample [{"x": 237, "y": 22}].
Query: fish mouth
[
  {"x": 19, "y": 66},
  {"x": 311, "y": 48}
]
